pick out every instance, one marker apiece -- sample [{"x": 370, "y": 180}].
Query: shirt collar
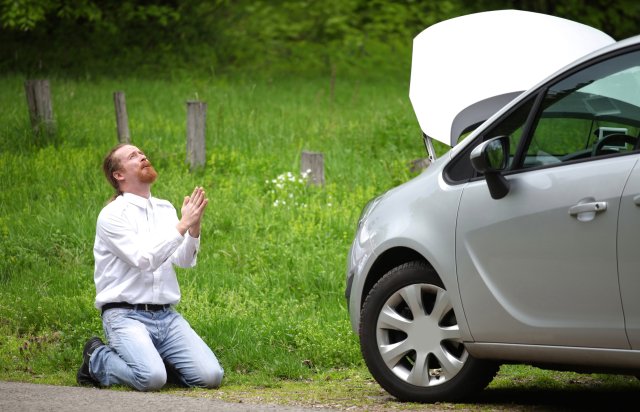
[{"x": 141, "y": 202}]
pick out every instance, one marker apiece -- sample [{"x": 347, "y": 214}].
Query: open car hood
[{"x": 465, "y": 69}]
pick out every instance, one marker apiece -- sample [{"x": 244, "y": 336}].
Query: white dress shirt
[{"x": 136, "y": 246}]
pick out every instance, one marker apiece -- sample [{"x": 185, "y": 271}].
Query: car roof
[{"x": 467, "y": 68}]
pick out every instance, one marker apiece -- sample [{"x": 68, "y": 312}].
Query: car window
[
  {"x": 512, "y": 126},
  {"x": 460, "y": 169},
  {"x": 593, "y": 113}
]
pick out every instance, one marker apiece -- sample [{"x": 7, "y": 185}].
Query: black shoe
[{"x": 84, "y": 376}]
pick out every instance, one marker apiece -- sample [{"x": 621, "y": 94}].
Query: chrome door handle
[
  {"x": 636, "y": 200},
  {"x": 587, "y": 207},
  {"x": 586, "y": 210}
]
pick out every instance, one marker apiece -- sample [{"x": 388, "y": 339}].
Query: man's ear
[{"x": 118, "y": 175}]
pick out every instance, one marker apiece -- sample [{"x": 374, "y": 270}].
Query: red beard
[{"x": 147, "y": 174}]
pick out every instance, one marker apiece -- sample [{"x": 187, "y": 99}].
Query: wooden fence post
[
  {"x": 419, "y": 165},
  {"x": 122, "y": 120},
  {"x": 40, "y": 108},
  {"x": 196, "y": 124},
  {"x": 313, "y": 164}
]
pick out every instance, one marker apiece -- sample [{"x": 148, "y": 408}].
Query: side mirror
[{"x": 491, "y": 158}]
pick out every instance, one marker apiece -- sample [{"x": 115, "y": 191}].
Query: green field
[{"x": 268, "y": 291}]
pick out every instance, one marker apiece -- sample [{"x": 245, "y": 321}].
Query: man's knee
[
  {"x": 151, "y": 380},
  {"x": 209, "y": 378},
  {"x": 213, "y": 378}
]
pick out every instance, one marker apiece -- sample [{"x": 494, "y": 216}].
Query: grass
[
  {"x": 267, "y": 293},
  {"x": 516, "y": 388}
]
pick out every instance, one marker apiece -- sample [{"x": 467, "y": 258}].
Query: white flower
[{"x": 288, "y": 185}]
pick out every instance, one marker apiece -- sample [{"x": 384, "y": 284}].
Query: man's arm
[{"x": 117, "y": 237}]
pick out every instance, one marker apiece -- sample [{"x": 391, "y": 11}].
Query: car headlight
[
  {"x": 362, "y": 231},
  {"x": 371, "y": 204},
  {"x": 359, "y": 249}
]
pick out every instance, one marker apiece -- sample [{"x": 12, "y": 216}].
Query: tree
[
  {"x": 618, "y": 18},
  {"x": 27, "y": 15},
  {"x": 258, "y": 35}
]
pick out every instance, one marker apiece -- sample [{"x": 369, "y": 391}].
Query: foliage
[
  {"x": 26, "y": 15},
  {"x": 619, "y": 19},
  {"x": 343, "y": 36},
  {"x": 254, "y": 37}
]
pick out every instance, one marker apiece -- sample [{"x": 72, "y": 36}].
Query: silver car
[{"x": 521, "y": 244}]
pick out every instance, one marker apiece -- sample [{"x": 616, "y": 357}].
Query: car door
[
  {"x": 539, "y": 266},
  {"x": 629, "y": 256},
  {"x": 530, "y": 272}
]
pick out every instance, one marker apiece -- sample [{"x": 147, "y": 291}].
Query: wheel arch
[
  {"x": 385, "y": 262},
  {"x": 398, "y": 255}
]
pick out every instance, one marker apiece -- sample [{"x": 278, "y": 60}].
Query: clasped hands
[{"x": 192, "y": 211}]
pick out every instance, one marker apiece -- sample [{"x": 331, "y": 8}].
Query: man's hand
[{"x": 192, "y": 211}]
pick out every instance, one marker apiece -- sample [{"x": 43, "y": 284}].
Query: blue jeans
[{"x": 140, "y": 343}]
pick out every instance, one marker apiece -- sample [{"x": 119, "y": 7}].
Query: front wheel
[{"x": 411, "y": 342}]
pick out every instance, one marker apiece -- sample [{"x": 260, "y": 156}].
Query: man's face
[{"x": 134, "y": 166}]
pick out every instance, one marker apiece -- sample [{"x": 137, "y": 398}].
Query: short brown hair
[{"x": 111, "y": 164}]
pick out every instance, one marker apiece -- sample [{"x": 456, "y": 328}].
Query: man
[{"x": 139, "y": 239}]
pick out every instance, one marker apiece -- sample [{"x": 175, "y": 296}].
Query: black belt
[{"x": 139, "y": 306}]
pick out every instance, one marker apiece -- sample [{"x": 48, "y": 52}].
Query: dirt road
[{"x": 19, "y": 397}]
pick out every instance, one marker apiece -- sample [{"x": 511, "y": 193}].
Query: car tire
[{"x": 411, "y": 342}]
